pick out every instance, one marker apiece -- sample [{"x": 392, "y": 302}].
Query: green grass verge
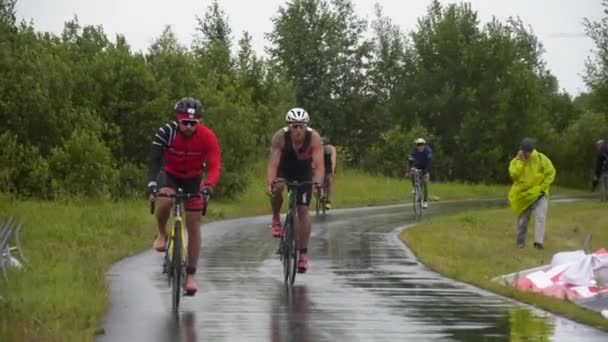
[
  {"x": 356, "y": 188},
  {"x": 477, "y": 246},
  {"x": 62, "y": 295}
]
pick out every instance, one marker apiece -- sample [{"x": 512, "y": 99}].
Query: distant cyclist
[
  {"x": 329, "y": 158},
  {"x": 601, "y": 163},
  {"x": 420, "y": 158}
]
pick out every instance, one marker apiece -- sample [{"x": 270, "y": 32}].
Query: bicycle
[
  {"x": 418, "y": 196},
  {"x": 321, "y": 201},
  {"x": 288, "y": 244},
  {"x": 176, "y": 253}
]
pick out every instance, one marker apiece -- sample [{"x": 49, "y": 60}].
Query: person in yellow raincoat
[{"x": 532, "y": 173}]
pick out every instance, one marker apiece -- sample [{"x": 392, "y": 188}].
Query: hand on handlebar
[
  {"x": 207, "y": 190},
  {"x": 317, "y": 191},
  {"x": 271, "y": 187},
  {"x": 270, "y": 190},
  {"x": 151, "y": 191}
]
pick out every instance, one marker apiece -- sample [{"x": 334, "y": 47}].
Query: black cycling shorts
[
  {"x": 189, "y": 185},
  {"x": 304, "y": 192}
]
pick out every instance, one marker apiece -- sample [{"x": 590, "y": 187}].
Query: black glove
[
  {"x": 207, "y": 190},
  {"x": 152, "y": 189}
]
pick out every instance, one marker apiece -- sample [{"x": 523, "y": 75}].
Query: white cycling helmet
[
  {"x": 297, "y": 115},
  {"x": 420, "y": 141}
]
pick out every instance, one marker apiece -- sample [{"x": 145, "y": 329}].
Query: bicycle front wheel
[
  {"x": 168, "y": 259},
  {"x": 324, "y": 197},
  {"x": 177, "y": 267},
  {"x": 285, "y": 248},
  {"x": 293, "y": 250},
  {"x": 417, "y": 203}
]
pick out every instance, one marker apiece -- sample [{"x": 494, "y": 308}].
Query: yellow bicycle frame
[{"x": 183, "y": 235}]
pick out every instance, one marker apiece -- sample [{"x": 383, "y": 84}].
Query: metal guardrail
[{"x": 7, "y": 259}]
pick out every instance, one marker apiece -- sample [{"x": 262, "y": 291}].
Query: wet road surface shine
[{"x": 363, "y": 285}]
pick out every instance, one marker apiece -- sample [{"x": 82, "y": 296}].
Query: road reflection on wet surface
[{"x": 363, "y": 285}]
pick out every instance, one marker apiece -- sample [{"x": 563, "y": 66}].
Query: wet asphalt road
[{"x": 362, "y": 285}]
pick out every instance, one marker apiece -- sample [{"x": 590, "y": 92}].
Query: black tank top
[
  {"x": 327, "y": 158},
  {"x": 296, "y": 165}
]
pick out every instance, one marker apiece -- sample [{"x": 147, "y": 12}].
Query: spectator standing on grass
[{"x": 532, "y": 174}]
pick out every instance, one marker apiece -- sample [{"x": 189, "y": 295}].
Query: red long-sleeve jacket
[{"x": 184, "y": 156}]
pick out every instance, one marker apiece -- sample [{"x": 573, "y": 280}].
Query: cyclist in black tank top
[
  {"x": 296, "y": 165},
  {"x": 294, "y": 149},
  {"x": 329, "y": 159}
]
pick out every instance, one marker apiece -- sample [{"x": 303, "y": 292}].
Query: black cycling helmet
[{"x": 189, "y": 106}]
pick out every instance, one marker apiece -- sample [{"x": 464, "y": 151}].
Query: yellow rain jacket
[{"x": 530, "y": 178}]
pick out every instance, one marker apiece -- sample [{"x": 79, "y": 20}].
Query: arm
[
  {"x": 515, "y": 168},
  {"x": 410, "y": 160},
  {"x": 159, "y": 143},
  {"x": 333, "y": 159},
  {"x": 317, "y": 158},
  {"x": 214, "y": 160},
  {"x": 429, "y": 159},
  {"x": 549, "y": 172},
  {"x": 276, "y": 148}
]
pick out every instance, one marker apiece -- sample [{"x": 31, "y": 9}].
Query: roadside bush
[{"x": 82, "y": 166}]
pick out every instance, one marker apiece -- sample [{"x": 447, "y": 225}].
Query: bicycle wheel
[
  {"x": 177, "y": 267},
  {"x": 168, "y": 262},
  {"x": 414, "y": 200},
  {"x": 318, "y": 205},
  {"x": 324, "y": 197},
  {"x": 293, "y": 249},
  {"x": 286, "y": 239},
  {"x": 419, "y": 205},
  {"x": 417, "y": 202}
]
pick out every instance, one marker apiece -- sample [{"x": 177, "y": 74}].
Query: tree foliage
[{"x": 79, "y": 109}]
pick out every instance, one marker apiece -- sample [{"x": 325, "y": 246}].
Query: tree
[
  {"x": 212, "y": 47},
  {"x": 319, "y": 45},
  {"x": 7, "y": 12},
  {"x": 596, "y": 76}
]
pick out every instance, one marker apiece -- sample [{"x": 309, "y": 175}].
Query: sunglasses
[
  {"x": 188, "y": 122},
  {"x": 297, "y": 126}
]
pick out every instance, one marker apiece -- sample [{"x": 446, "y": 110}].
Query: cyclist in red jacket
[{"x": 186, "y": 144}]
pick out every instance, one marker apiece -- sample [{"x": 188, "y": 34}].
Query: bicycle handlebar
[
  {"x": 292, "y": 183},
  {"x": 182, "y": 196}
]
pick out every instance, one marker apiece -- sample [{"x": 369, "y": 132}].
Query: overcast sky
[{"x": 557, "y": 23}]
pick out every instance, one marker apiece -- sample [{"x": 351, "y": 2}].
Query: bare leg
[
  {"x": 330, "y": 183},
  {"x": 163, "y": 210},
  {"x": 193, "y": 224},
  {"x": 304, "y": 219},
  {"x": 277, "y": 201}
]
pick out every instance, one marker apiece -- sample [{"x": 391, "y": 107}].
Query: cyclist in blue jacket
[{"x": 420, "y": 158}]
